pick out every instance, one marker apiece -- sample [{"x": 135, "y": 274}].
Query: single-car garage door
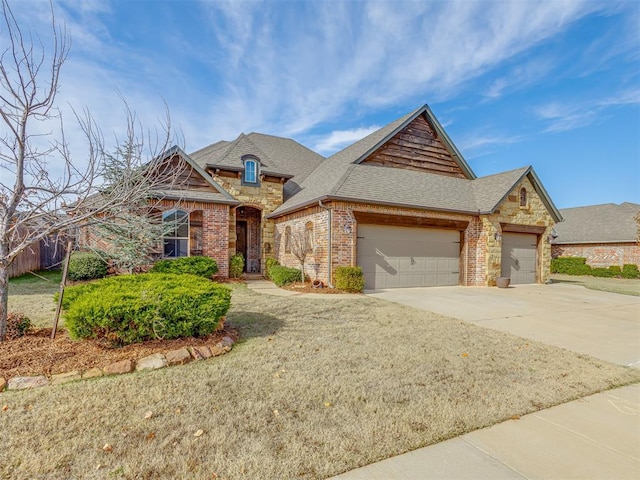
[
  {"x": 519, "y": 257},
  {"x": 408, "y": 257}
]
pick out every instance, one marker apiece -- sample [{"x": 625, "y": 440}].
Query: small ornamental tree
[{"x": 301, "y": 247}]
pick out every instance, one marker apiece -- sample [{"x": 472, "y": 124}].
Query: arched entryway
[{"x": 248, "y": 226}]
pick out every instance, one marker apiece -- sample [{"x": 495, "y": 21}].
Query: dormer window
[{"x": 250, "y": 171}]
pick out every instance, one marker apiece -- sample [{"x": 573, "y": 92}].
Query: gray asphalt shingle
[{"x": 605, "y": 223}]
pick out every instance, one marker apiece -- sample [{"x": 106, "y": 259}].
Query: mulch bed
[
  {"x": 307, "y": 288},
  {"x": 36, "y": 354}
]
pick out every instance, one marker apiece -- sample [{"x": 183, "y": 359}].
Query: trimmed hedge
[
  {"x": 268, "y": 264},
  {"x": 570, "y": 266},
  {"x": 201, "y": 266},
  {"x": 86, "y": 266},
  {"x": 616, "y": 270},
  {"x": 630, "y": 270},
  {"x": 236, "y": 265},
  {"x": 350, "y": 279},
  {"x": 602, "y": 272},
  {"x": 135, "y": 308},
  {"x": 284, "y": 275}
]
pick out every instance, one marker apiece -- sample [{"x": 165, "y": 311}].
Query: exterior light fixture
[{"x": 497, "y": 236}]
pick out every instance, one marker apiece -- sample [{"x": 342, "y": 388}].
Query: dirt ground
[{"x": 37, "y": 354}]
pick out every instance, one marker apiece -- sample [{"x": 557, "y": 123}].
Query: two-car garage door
[{"x": 408, "y": 257}]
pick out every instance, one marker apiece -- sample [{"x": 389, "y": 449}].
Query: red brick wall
[
  {"x": 600, "y": 254},
  {"x": 215, "y": 236}
]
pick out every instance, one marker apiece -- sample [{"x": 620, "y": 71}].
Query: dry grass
[
  {"x": 625, "y": 286},
  {"x": 33, "y": 295},
  {"x": 315, "y": 388}
]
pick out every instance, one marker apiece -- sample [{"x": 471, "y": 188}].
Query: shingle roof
[
  {"x": 608, "y": 223},
  {"x": 341, "y": 176},
  {"x": 278, "y": 156}
]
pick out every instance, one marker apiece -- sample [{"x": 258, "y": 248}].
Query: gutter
[{"x": 321, "y": 205}]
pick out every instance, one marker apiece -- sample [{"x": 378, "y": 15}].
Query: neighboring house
[
  {"x": 603, "y": 234},
  {"x": 402, "y": 203}
]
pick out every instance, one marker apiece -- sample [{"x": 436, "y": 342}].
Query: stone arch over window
[
  {"x": 287, "y": 240},
  {"x": 251, "y": 174},
  {"x": 308, "y": 236},
  {"x": 175, "y": 225},
  {"x": 523, "y": 197}
]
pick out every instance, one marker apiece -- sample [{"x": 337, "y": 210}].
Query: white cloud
[
  {"x": 561, "y": 117},
  {"x": 339, "y": 139}
]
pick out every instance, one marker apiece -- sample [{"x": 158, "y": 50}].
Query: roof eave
[{"x": 337, "y": 198}]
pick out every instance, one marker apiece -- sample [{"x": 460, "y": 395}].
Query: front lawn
[
  {"x": 625, "y": 286},
  {"x": 314, "y": 388},
  {"x": 32, "y": 294}
]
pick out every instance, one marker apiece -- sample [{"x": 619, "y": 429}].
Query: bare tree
[
  {"x": 36, "y": 203},
  {"x": 301, "y": 247}
]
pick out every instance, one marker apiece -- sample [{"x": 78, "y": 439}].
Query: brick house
[
  {"x": 605, "y": 235},
  {"x": 402, "y": 203}
]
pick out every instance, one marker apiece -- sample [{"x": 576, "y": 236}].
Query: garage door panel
[
  {"x": 519, "y": 257},
  {"x": 402, "y": 257}
]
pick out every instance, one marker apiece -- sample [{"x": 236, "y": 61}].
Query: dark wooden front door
[{"x": 241, "y": 242}]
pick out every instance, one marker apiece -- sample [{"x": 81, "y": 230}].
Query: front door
[{"x": 241, "y": 240}]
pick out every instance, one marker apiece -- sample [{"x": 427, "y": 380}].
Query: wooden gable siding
[
  {"x": 188, "y": 178},
  {"x": 416, "y": 147}
]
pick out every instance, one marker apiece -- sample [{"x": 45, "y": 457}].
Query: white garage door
[
  {"x": 519, "y": 257},
  {"x": 408, "y": 257}
]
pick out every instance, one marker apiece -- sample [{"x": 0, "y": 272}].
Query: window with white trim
[
  {"x": 176, "y": 233},
  {"x": 251, "y": 171}
]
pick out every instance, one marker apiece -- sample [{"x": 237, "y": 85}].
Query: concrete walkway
[{"x": 596, "y": 437}]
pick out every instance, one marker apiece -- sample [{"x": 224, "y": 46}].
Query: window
[
  {"x": 308, "y": 236},
  {"x": 523, "y": 197},
  {"x": 287, "y": 240},
  {"x": 175, "y": 225},
  {"x": 250, "y": 171}
]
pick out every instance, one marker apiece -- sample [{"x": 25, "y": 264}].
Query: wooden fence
[{"x": 43, "y": 255}]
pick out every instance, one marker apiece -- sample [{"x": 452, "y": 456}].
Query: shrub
[
  {"x": 236, "y": 265},
  {"x": 135, "y": 308},
  {"x": 616, "y": 270},
  {"x": 268, "y": 264},
  {"x": 284, "y": 275},
  {"x": 350, "y": 279},
  {"x": 570, "y": 266},
  {"x": 86, "y": 266},
  {"x": 18, "y": 324},
  {"x": 630, "y": 270},
  {"x": 602, "y": 272},
  {"x": 197, "y": 265}
]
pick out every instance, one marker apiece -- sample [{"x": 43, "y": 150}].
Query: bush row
[
  {"x": 197, "y": 265},
  {"x": 578, "y": 266}
]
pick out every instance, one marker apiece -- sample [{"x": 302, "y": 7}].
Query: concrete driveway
[{"x": 604, "y": 325}]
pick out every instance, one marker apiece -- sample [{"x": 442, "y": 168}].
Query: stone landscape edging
[{"x": 155, "y": 361}]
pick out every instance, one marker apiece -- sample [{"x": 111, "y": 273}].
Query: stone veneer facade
[
  {"x": 510, "y": 212},
  {"x": 480, "y": 252},
  {"x": 266, "y": 198}
]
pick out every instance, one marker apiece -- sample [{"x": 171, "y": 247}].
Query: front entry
[{"x": 248, "y": 225}]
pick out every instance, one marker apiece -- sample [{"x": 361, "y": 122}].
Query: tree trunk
[{"x": 4, "y": 301}]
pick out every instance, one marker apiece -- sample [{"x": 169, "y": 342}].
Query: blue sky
[{"x": 553, "y": 84}]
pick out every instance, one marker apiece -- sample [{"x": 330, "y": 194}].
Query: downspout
[{"x": 320, "y": 204}]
